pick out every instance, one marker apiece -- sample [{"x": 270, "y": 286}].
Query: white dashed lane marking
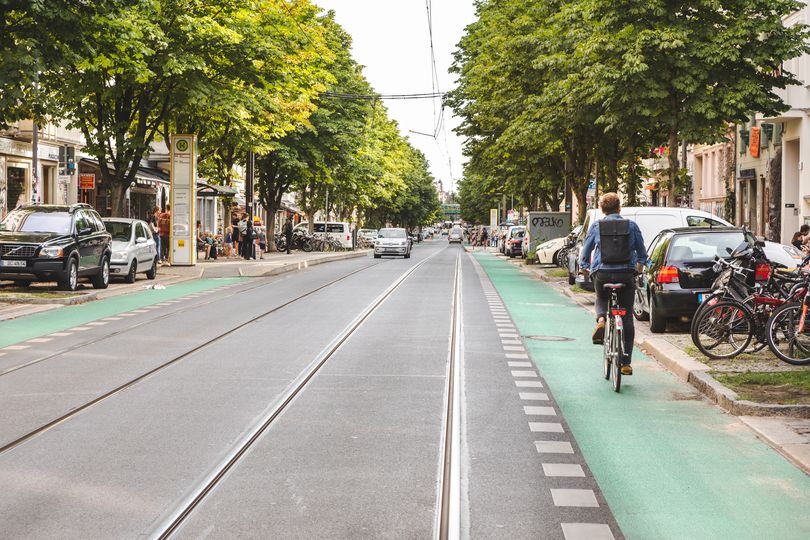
[
  {"x": 82, "y": 328},
  {"x": 587, "y": 531},
  {"x": 97, "y": 323},
  {"x": 517, "y": 356},
  {"x": 546, "y": 427},
  {"x": 530, "y": 410},
  {"x": 533, "y": 396},
  {"x": 16, "y": 347},
  {"x": 554, "y": 447},
  {"x": 581, "y": 498},
  {"x": 61, "y": 334},
  {"x": 40, "y": 340},
  {"x": 529, "y": 384},
  {"x": 517, "y": 373},
  {"x": 519, "y": 364},
  {"x": 573, "y": 470},
  {"x": 513, "y": 348}
]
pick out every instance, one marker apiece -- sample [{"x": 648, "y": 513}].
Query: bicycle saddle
[{"x": 614, "y": 285}]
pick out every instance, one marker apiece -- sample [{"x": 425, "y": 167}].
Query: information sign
[{"x": 183, "y": 180}]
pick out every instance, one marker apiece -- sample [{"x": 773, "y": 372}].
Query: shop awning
[
  {"x": 145, "y": 176},
  {"x": 210, "y": 190}
]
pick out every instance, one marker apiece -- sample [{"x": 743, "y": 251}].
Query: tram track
[
  {"x": 133, "y": 381},
  {"x": 175, "y": 520},
  {"x": 167, "y": 315},
  {"x": 448, "y": 526}
]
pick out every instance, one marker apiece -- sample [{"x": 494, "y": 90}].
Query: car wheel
[
  {"x": 658, "y": 323},
  {"x": 71, "y": 279},
  {"x": 152, "y": 272},
  {"x": 638, "y": 307},
  {"x": 133, "y": 269},
  {"x": 102, "y": 278},
  {"x": 377, "y": 256},
  {"x": 407, "y": 255},
  {"x": 24, "y": 283}
]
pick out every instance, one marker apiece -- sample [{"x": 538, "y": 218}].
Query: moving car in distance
[
  {"x": 456, "y": 236},
  {"x": 55, "y": 243},
  {"x": 133, "y": 248},
  {"x": 392, "y": 242}
]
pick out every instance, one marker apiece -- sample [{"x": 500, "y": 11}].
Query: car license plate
[
  {"x": 701, "y": 297},
  {"x": 12, "y": 263}
]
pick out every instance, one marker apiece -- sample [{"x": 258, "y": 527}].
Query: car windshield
[
  {"x": 517, "y": 232},
  {"x": 391, "y": 233},
  {"x": 703, "y": 247},
  {"x": 34, "y": 221},
  {"x": 456, "y": 231},
  {"x": 119, "y": 230}
]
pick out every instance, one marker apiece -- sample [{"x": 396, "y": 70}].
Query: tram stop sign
[{"x": 545, "y": 226}]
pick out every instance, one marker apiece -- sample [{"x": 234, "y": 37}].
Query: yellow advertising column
[{"x": 183, "y": 199}]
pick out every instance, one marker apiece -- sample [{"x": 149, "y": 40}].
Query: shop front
[{"x": 16, "y": 177}]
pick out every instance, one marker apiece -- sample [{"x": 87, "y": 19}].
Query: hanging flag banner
[
  {"x": 183, "y": 199},
  {"x": 753, "y": 144}
]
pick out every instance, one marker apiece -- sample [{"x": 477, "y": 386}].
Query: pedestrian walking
[
  {"x": 248, "y": 241},
  {"x": 288, "y": 233},
  {"x": 164, "y": 228},
  {"x": 153, "y": 228},
  {"x": 262, "y": 237}
]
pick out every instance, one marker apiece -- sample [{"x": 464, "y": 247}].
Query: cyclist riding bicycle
[{"x": 618, "y": 251}]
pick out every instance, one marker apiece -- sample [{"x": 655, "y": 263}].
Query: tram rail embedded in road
[{"x": 81, "y": 408}]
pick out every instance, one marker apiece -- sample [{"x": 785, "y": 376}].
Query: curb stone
[{"x": 65, "y": 301}]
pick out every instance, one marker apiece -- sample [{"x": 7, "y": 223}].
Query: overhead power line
[{"x": 374, "y": 97}]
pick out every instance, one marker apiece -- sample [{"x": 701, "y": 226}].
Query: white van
[
  {"x": 651, "y": 220},
  {"x": 339, "y": 230}
]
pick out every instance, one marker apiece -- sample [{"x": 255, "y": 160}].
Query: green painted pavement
[
  {"x": 41, "y": 324},
  {"x": 671, "y": 465}
]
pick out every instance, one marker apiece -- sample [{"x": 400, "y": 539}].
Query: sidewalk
[
  {"x": 783, "y": 427},
  {"x": 272, "y": 264}
]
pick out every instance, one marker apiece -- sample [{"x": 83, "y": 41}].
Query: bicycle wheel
[
  {"x": 606, "y": 352},
  {"x": 786, "y": 337},
  {"x": 724, "y": 330},
  {"x": 618, "y": 357}
]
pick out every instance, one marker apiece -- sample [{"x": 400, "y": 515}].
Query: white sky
[{"x": 390, "y": 38}]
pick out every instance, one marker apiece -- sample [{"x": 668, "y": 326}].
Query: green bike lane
[
  {"x": 41, "y": 324},
  {"x": 670, "y": 464}
]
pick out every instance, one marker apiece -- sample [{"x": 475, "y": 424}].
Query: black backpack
[{"x": 614, "y": 239}]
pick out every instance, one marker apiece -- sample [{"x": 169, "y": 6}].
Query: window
[
  {"x": 33, "y": 221},
  {"x": 141, "y": 231},
  {"x": 391, "y": 233},
  {"x": 89, "y": 221},
  {"x": 703, "y": 247},
  {"x": 81, "y": 222},
  {"x": 334, "y": 227},
  {"x": 700, "y": 221}
]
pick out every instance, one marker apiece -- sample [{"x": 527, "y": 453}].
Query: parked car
[
  {"x": 392, "y": 242},
  {"x": 651, "y": 220},
  {"x": 506, "y": 233},
  {"x": 549, "y": 251},
  {"x": 368, "y": 234},
  {"x": 55, "y": 243},
  {"x": 788, "y": 256},
  {"x": 514, "y": 241},
  {"x": 338, "y": 230},
  {"x": 456, "y": 236},
  {"x": 681, "y": 263},
  {"x": 133, "y": 248}
]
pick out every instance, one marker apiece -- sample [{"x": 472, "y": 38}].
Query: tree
[
  {"x": 155, "y": 60},
  {"x": 687, "y": 69}
]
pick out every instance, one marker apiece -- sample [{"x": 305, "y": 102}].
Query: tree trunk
[
  {"x": 612, "y": 172},
  {"x": 631, "y": 184},
  {"x": 270, "y": 231},
  {"x": 118, "y": 195},
  {"x": 775, "y": 197},
  {"x": 673, "y": 166}
]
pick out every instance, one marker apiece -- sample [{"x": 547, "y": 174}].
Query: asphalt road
[{"x": 334, "y": 383}]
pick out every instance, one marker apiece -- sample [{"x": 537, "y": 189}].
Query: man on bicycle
[{"x": 618, "y": 251}]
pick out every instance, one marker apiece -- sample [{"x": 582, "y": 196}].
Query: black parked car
[
  {"x": 55, "y": 243},
  {"x": 680, "y": 264}
]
